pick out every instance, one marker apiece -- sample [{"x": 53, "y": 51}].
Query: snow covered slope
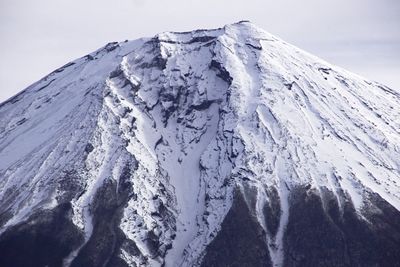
[{"x": 224, "y": 147}]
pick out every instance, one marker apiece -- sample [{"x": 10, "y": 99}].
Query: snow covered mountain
[{"x": 224, "y": 147}]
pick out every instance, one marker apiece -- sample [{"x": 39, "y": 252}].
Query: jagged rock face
[{"x": 224, "y": 147}]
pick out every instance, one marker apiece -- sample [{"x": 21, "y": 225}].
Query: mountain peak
[{"x": 206, "y": 148}]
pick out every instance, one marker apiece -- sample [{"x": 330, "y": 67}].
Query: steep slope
[{"x": 224, "y": 147}]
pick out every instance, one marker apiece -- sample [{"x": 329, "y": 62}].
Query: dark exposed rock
[
  {"x": 105, "y": 243},
  {"x": 272, "y": 211},
  {"x": 43, "y": 240},
  {"x": 89, "y": 57},
  {"x": 289, "y": 85},
  {"x": 203, "y": 105},
  {"x": 222, "y": 72},
  {"x": 159, "y": 141},
  {"x": 116, "y": 73},
  {"x": 61, "y": 69},
  {"x": 157, "y": 62},
  {"x": 89, "y": 148},
  {"x": 254, "y": 46},
  {"x": 325, "y": 70},
  {"x": 318, "y": 236},
  {"x": 69, "y": 186},
  {"x": 241, "y": 240},
  {"x": 13, "y": 99},
  {"x": 4, "y": 217},
  {"x": 152, "y": 244},
  {"x": 202, "y": 39},
  {"x": 46, "y": 85},
  {"x": 22, "y": 121},
  {"x": 107, "y": 239},
  {"x": 312, "y": 238},
  {"x": 111, "y": 46}
]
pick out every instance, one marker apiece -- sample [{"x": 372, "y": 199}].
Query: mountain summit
[{"x": 225, "y": 147}]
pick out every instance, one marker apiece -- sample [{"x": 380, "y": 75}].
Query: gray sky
[{"x": 38, "y": 36}]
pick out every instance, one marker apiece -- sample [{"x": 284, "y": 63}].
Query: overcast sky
[{"x": 38, "y": 36}]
